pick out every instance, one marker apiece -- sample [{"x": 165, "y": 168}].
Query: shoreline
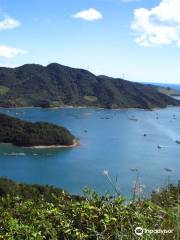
[
  {"x": 91, "y": 107},
  {"x": 76, "y": 143}
]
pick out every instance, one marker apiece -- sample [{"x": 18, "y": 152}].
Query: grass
[
  {"x": 90, "y": 98},
  {"x": 3, "y": 90}
]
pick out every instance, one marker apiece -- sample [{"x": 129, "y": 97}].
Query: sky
[{"x": 138, "y": 40}]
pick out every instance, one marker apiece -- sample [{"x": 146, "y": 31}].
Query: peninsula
[{"x": 39, "y": 134}]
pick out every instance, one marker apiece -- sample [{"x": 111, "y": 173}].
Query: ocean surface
[
  {"x": 174, "y": 86},
  {"x": 110, "y": 140}
]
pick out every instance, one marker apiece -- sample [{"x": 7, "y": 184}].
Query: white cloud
[
  {"x": 8, "y": 52},
  {"x": 9, "y": 23},
  {"x": 90, "y": 14},
  {"x": 159, "y": 25},
  {"x": 9, "y": 65}
]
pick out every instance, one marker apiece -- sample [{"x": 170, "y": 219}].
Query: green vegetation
[
  {"x": 56, "y": 85},
  {"x": 169, "y": 91},
  {"x": 3, "y": 90},
  {"x": 90, "y": 98},
  {"x": 37, "y": 212},
  {"x": 27, "y": 134}
]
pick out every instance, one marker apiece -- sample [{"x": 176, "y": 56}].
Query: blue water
[
  {"x": 174, "y": 86},
  {"x": 112, "y": 142}
]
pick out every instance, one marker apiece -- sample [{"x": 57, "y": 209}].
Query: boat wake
[
  {"x": 166, "y": 131},
  {"x": 14, "y": 154}
]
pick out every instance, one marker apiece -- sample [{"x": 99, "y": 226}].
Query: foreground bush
[{"x": 90, "y": 217}]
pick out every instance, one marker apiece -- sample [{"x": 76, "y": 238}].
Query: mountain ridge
[{"x": 56, "y": 85}]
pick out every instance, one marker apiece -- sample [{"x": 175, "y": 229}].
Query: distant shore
[
  {"x": 83, "y": 107},
  {"x": 51, "y": 108},
  {"x": 90, "y": 107}
]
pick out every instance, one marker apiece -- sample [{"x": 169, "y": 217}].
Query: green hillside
[
  {"x": 56, "y": 85},
  {"x": 27, "y": 134}
]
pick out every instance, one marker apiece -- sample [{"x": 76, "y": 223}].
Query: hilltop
[{"x": 56, "y": 85}]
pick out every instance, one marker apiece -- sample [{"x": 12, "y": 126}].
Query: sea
[{"x": 126, "y": 143}]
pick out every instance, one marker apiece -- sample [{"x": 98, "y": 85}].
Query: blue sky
[{"x": 137, "y": 38}]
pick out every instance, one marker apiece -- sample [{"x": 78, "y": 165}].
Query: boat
[
  {"x": 108, "y": 117},
  {"x": 14, "y": 154},
  {"x": 133, "y": 119},
  {"x": 133, "y": 169},
  {"x": 168, "y": 169}
]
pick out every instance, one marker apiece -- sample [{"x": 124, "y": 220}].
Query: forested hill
[
  {"x": 27, "y": 134},
  {"x": 56, "y": 85}
]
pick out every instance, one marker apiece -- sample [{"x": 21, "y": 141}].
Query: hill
[
  {"x": 27, "y": 134},
  {"x": 169, "y": 91},
  {"x": 172, "y": 90},
  {"x": 56, "y": 85}
]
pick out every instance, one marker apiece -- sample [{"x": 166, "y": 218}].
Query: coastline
[
  {"x": 90, "y": 107},
  {"x": 87, "y": 107},
  {"x": 76, "y": 143}
]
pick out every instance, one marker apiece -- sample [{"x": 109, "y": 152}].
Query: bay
[{"x": 110, "y": 140}]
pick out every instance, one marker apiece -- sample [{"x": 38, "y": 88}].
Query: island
[
  {"x": 39, "y": 134},
  {"x": 55, "y": 85}
]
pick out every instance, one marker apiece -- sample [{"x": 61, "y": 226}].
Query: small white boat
[{"x": 14, "y": 154}]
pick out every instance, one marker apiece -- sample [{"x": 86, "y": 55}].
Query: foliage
[
  {"x": 23, "y": 133},
  {"x": 90, "y": 98},
  {"x": 168, "y": 196},
  {"x": 57, "y": 85},
  {"x": 3, "y": 90},
  {"x": 90, "y": 217}
]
